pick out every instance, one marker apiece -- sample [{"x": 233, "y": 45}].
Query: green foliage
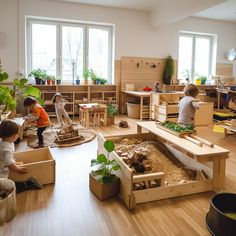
[
  {"x": 3, "y": 74},
  {"x": 105, "y": 167},
  {"x": 51, "y": 77},
  {"x": 179, "y": 128},
  {"x": 41, "y": 74},
  {"x": 168, "y": 70},
  {"x": 86, "y": 74},
  {"x": 103, "y": 81},
  {"x": 112, "y": 109},
  {"x": 7, "y": 98},
  {"x": 93, "y": 75},
  {"x": 203, "y": 79}
]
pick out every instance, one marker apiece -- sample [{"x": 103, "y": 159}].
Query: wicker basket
[{"x": 8, "y": 204}]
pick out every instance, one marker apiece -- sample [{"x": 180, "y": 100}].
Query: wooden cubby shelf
[{"x": 77, "y": 94}]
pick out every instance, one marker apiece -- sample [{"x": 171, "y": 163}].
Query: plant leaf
[
  {"x": 101, "y": 158},
  {"x": 32, "y": 91},
  {"x": 93, "y": 162},
  {"x": 108, "y": 179},
  {"x": 116, "y": 167},
  {"x": 109, "y": 146}
]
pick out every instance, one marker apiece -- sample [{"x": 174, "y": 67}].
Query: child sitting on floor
[
  {"x": 9, "y": 131},
  {"x": 188, "y": 105},
  {"x": 59, "y": 104},
  {"x": 39, "y": 115}
]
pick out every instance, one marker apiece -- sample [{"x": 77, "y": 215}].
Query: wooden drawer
[{"x": 170, "y": 109}]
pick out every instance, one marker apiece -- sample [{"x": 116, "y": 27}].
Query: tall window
[
  {"x": 67, "y": 49},
  {"x": 195, "y": 56}
]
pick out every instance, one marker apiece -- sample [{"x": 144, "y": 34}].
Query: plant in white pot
[
  {"x": 112, "y": 110},
  {"x": 102, "y": 181}
]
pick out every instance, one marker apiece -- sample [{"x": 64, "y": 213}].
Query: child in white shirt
[
  {"x": 59, "y": 104},
  {"x": 9, "y": 131},
  {"x": 188, "y": 105}
]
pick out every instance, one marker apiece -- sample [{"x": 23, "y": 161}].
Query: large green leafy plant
[
  {"x": 104, "y": 165},
  {"x": 168, "y": 70},
  {"x": 8, "y": 96},
  {"x": 7, "y": 100}
]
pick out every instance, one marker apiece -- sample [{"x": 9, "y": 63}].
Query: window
[
  {"x": 67, "y": 49},
  {"x": 195, "y": 56}
]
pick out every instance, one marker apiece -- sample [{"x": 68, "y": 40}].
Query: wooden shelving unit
[{"x": 77, "y": 94}]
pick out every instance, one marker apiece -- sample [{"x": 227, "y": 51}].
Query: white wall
[
  {"x": 9, "y": 27},
  {"x": 134, "y": 36}
]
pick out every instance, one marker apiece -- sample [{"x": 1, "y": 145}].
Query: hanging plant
[{"x": 168, "y": 70}]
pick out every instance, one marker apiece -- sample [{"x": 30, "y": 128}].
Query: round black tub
[{"x": 221, "y": 219}]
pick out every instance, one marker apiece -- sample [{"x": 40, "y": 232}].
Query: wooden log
[
  {"x": 202, "y": 140},
  {"x": 193, "y": 140}
]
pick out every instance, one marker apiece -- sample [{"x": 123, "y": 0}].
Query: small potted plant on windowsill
[
  {"x": 77, "y": 81},
  {"x": 102, "y": 181},
  {"x": 112, "y": 110},
  {"x": 103, "y": 81},
  {"x": 58, "y": 80},
  {"x": 86, "y": 75},
  {"x": 39, "y": 75}
]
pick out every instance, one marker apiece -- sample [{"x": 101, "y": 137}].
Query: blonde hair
[{"x": 191, "y": 90}]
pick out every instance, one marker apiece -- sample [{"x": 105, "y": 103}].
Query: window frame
[
  {"x": 194, "y": 36},
  {"x": 59, "y": 24}
]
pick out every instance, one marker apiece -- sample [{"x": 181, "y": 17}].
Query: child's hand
[{"x": 22, "y": 170}]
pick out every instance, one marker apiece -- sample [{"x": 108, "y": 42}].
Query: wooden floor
[{"x": 70, "y": 209}]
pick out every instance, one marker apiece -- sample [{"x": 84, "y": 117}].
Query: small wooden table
[
  {"x": 217, "y": 155},
  {"x": 144, "y": 110},
  {"x": 99, "y": 113}
]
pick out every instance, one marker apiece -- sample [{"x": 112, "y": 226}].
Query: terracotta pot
[
  {"x": 53, "y": 82},
  {"x": 48, "y": 82},
  {"x": 110, "y": 120},
  {"x": 86, "y": 82}
]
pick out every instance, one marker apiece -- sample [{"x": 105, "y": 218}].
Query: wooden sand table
[{"x": 156, "y": 158}]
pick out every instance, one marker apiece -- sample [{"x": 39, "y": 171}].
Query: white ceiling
[
  {"x": 168, "y": 11},
  {"x": 225, "y": 11},
  {"x": 141, "y": 5}
]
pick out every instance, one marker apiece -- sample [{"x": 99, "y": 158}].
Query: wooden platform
[{"x": 69, "y": 208}]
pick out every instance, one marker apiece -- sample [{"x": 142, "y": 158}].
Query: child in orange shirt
[{"x": 39, "y": 115}]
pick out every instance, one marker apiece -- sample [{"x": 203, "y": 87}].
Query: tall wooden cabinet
[{"x": 77, "y": 94}]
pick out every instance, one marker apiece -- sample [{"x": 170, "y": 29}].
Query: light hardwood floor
[{"x": 70, "y": 209}]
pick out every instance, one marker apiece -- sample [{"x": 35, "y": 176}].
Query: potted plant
[
  {"x": 53, "y": 80},
  {"x": 48, "y": 80},
  {"x": 39, "y": 75},
  {"x": 102, "y": 181},
  {"x": 112, "y": 110},
  {"x": 202, "y": 79},
  {"x": 93, "y": 77},
  {"x": 103, "y": 81},
  {"x": 86, "y": 74},
  {"x": 77, "y": 81},
  {"x": 58, "y": 80},
  {"x": 168, "y": 72}
]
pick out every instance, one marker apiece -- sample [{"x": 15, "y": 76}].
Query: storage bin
[
  {"x": 133, "y": 110},
  {"x": 8, "y": 204},
  {"x": 39, "y": 163}
]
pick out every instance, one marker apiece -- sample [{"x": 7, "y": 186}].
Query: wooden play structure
[{"x": 208, "y": 160}]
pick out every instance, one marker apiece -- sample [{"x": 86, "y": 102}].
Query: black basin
[{"x": 218, "y": 223}]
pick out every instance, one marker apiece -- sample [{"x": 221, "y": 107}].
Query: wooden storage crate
[
  {"x": 39, "y": 163},
  {"x": 127, "y": 178}
]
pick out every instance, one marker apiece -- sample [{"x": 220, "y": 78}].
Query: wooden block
[{"x": 39, "y": 163}]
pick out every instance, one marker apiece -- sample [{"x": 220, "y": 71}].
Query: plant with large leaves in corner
[
  {"x": 168, "y": 70},
  {"x": 105, "y": 166}
]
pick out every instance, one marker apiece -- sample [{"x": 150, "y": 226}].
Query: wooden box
[
  {"x": 39, "y": 163},
  {"x": 132, "y": 197},
  {"x": 104, "y": 191}
]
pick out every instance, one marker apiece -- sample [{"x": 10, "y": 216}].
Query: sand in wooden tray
[{"x": 162, "y": 160}]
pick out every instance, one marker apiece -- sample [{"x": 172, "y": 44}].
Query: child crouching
[{"x": 9, "y": 131}]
